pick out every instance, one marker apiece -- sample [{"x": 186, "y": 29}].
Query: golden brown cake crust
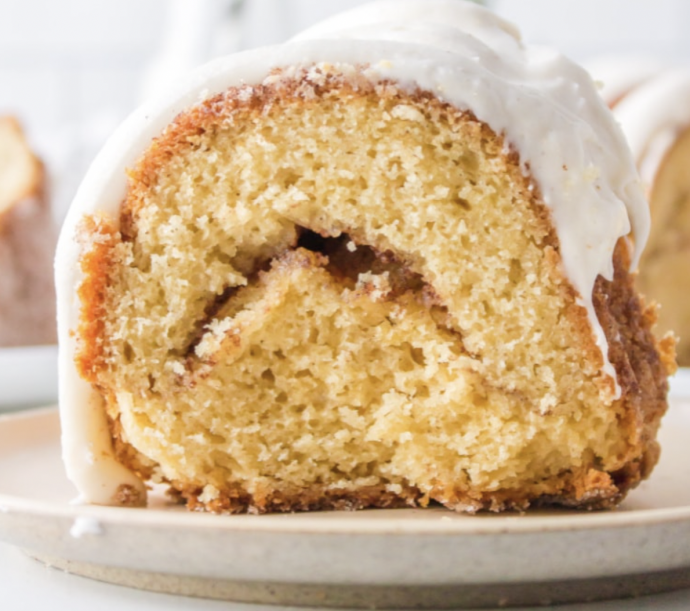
[
  {"x": 641, "y": 363},
  {"x": 97, "y": 237}
]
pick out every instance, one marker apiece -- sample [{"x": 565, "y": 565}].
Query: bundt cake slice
[
  {"x": 338, "y": 274},
  {"x": 27, "y": 244}
]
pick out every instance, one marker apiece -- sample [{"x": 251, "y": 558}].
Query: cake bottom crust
[{"x": 587, "y": 489}]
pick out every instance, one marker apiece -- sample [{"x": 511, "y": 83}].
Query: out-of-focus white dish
[
  {"x": 28, "y": 376},
  {"x": 680, "y": 384},
  {"x": 384, "y": 558}
]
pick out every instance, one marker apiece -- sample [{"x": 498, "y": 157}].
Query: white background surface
[
  {"x": 26, "y": 585},
  {"x": 72, "y": 70}
]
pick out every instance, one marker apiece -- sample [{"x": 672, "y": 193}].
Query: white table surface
[{"x": 26, "y": 585}]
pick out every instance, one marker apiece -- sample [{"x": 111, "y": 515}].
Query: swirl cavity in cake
[{"x": 374, "y": 266}]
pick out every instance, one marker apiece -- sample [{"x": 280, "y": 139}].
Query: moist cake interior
[{"x": 341, "y": 294}]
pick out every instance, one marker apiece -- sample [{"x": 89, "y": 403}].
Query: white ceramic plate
[
  {"x": 28, "y": 376},
  {"x": 393, "y": 558}
]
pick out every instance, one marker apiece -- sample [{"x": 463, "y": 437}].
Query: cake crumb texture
[{"x": 328, "y": 293}]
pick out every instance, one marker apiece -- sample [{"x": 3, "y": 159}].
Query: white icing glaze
[
  {"x": 86, "y": 526},
  {"x": 653, "y": 115},
  {"x": 547, "y": 108}
]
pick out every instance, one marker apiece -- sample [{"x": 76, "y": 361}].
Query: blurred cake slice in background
[
  {"x": 652, "y": 104},
  {"x": 27, "y": 244},
  {"x": 616, "y": 76}
]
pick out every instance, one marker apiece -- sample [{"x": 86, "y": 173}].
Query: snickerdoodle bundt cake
[
  {"x": 27, "y": 243},
  {"x": 371, "y": 267},
  {"x": 655, "y": 117}
]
